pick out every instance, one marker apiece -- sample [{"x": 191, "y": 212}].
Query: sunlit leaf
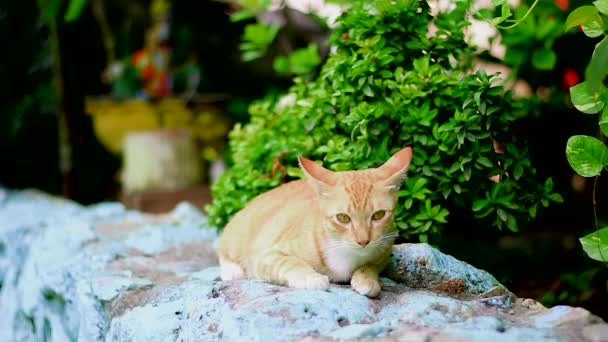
[
  {"x": 597, "y": 69},
  {"x": 602, "y": 6},
  {"x": 505, "y": 12},
  {"x": 580, "y": 16},
  {"x": 594, "y": 27},
  {"x": 586, "y": 155},
  {"x": 254, "y": 4},
  {"x": 75, "y": 8},
  {"x": 241, "y": 15},
  {"x": 585, "y": 100},
  {"x": 480, "y": 204},
  {"x": 604, "y": 121},
  {"x": 502, "y": 214},
  {"x": 596, "y": 245}
]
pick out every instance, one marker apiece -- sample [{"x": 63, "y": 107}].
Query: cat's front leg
[
  {"x": 365, "y": 281},
  {"x": 279, "y": 268}
]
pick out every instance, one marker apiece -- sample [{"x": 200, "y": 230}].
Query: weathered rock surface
[{"x": 103, "y": 273}]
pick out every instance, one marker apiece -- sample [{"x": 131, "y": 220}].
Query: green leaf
[
  {"x": 241, "y": 15},
  {"x": 457, "y": 188},
  {"x": 518, "y": 171},
  {"x": 427, "y": 206},
  {"x": 594, "y": 28},
  {"x": 260, "y": 35},
  {"x": 427, "y": 225},
  {"x": 487, "y": 211},
  {"x": 596, "y": 245},
  {"x": 544, "y": 59},
  {"x": 496, "y": 21},
  {"x": 604, "y": 121},
  {"x": 484, "y": 161},
  {"x": 580, "y": 16},
  {"x": 495, "y": 191},
  {"x": 505, "y": 12},
  {"x": 549, "y": 185},
  {"x": 251, "y": 55},
  {"x": 532, "y": 211},
  {"x": 480, "y": 204},
  {"x": 502, "y": 214},
  {"x": 255, "y": 4},
  {"x": 602, "y": 6},
  {"x": 548, "y": 29},
  {"x": 556, "y": 198},
  {"x": 586, "y": 155},
  {"x": 586, "y": 101},
  {"x": 301, "y": 61},
  {"x": 511, "y": 223},
  {"x": 281, "y": 64},
  {"x": 467, "y": 173},
  {"x": 597, "y": 69},
  {"x": 50, "y": 8},
  {"x": 515, "y": 55},
  {"x": 420, "y": 183},
  {"x": 75, "y": 8}
]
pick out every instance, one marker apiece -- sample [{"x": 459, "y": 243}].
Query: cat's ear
[
  {"x": 393, "y": 171},
  {"x": 319, "y": 177}
]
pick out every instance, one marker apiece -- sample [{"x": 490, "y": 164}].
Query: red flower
[
  {"x": 148, "y": 72},
  {"x": 562, "y": 4},
  {"x": 570, "y": 78},
  {"x": 137, "y": 57}
]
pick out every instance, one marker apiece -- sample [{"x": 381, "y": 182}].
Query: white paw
[
  {"x": 312, "y": 282},
  {"x": 365, "y": 286},
  {"x": 231, "y": 271}
]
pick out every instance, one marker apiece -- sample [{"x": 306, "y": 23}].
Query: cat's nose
[{"x": 362, "y": 242}]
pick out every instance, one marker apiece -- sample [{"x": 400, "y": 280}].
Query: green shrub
[{"x": 389, "y": 83}]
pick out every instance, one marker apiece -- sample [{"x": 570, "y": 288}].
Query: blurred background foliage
[{"x": 251, "y": 49}]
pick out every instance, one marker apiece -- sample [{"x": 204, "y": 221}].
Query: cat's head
[{"x": 358, "y": 206}]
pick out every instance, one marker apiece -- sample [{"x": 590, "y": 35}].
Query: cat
[{"x": 332, "y": 226}]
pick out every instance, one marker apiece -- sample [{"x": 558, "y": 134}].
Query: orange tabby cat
[{"x": 334, "y": 226}]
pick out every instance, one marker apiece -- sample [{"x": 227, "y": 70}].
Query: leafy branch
[
  {"x": 589, "y": 155},
  {"x": 506, "y": 13}
]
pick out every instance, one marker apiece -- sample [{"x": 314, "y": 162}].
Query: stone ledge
[{"x": 104, "y": 273}]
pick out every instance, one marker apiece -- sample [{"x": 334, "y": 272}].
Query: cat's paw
[
  {"x": 311, "y": 282},
  {"x": 365, "y": 286},
  {"x": 231, "y": 271}
]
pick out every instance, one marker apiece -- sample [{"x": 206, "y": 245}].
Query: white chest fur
[{"x": 344, "y": 260}]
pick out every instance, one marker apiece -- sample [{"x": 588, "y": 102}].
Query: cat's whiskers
[
  {"x": 387, "y": 236},
  {"x": 381, "y": 242},
  {"x": 335, "y": 245},
  {"x": 384, "y": 240}
]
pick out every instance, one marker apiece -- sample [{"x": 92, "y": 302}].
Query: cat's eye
[
  {"x": 343, "y": 218},
  {"x": 378, "y": 215}
]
